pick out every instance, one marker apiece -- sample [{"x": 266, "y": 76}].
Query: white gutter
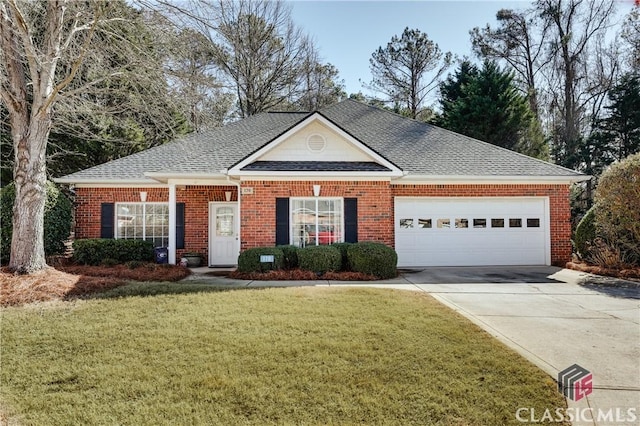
[{"x": 466, "y": 179}]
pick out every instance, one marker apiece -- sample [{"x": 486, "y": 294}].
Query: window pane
[
  {"x": 444, "y": 223},
  {"x": 303, "y": 220},
  {"x": 515, "y": 223},
  {"x": 406, "y": 223},
  {"x": 479, "y": 223},
  {"x": 497, "y": 223},
  {"x": 462, "y": 223},
  {"x": 138, "y": 221},
  {"x": 224, "y": 222},
  {"x": 314, "y": 226},
  {"x": 533, "y": 223},
  {"x": 424, "y": 223}
]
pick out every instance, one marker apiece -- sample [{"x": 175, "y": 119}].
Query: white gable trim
[{"x": 315, "y": 117}]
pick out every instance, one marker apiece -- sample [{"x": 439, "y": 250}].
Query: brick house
[{"x": 349, "y": 172}]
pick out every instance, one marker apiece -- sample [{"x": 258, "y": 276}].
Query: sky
[{"x": 348, "y": 32}]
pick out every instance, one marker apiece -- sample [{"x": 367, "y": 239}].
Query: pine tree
[{"x": 485, "y": 104}]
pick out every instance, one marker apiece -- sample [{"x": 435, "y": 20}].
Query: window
[
  {"x": 143, "y": 221},
  {"x": 462, "y": 223},
  {"x": 533, "y": 223},
  {"x": 515, "y": 223},
  {"x": 444, "y": 223},
  {"x": 316, "y": 221},
  {"x": 479, "y": 223},
  {"x": 497, "y": 223},
  {"x": 406, "y": 223},
  {"x": 424, "y": 223}
]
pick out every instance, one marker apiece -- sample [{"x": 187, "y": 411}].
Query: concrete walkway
[{"x": 553, "y": 317}]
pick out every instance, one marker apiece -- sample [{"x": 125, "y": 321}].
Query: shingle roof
[
  {"x": 423, "y": 149},
  {"x": 415, "y": 147}
]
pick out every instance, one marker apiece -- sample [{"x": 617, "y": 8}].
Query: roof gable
[{"x": 315, "y": 140}]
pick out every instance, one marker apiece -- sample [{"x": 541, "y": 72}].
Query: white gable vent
[{"x": 316, "y": 143}]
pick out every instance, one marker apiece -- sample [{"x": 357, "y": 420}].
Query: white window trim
[
  {"x": 316, "y": 199},
  {"x": 144, "y": 216}
]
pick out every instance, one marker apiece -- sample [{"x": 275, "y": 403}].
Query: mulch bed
[
  {"x": 632, "y": 274},
  {"x": 69, "y": 281}
]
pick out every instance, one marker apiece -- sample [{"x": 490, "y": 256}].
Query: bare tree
[
  {"x": 260, "y": 52},
  {"x": 29, "y": 88},
  {"x": 320, "y": 84},
  {"x": 631, "y": 35},
  {"x": 407, "y": 69},
  {"x": 518, "y": 40},
  {"x": 64, "y": 63}
]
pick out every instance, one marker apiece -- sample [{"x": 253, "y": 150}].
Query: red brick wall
[
  {"x": 196, "y": 199},
  {"x": 560, "y": 211},
  {"x": 375, "y": 208}
]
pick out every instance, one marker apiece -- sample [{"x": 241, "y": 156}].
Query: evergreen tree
[
  {"x": 620, "y": 130},
  {"x": 485, "y": 104}
]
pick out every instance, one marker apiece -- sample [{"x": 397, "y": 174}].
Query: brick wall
[
  {"x": 560, "y": 211},
  {"x": 375, "y": 208},
  {"x": 196, "y": 199}
]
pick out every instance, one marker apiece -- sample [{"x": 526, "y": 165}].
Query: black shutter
[
  {"x": 107, "y": 220},
  {"x": 179, "y": 225},
  {"x": 350, "y": 220},
  {"x": 282, "y": 221}
]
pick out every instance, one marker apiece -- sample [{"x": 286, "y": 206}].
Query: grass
[{"x": 150, "y": 354}]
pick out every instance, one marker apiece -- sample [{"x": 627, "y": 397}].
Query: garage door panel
[{"x": 481, "y": 231}]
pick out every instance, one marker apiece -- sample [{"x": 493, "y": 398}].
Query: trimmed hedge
[
  {"x": 249, "y": 260},
  {"x": 95, "y": 250},
  {"x": 585, "y": 233},
  {"x": 343, "y": 247},
  {"x": 320, "y": 259},
  {"x": 57, "y": 220},
  {"x": 290, "y": 256},
  {"x": 373, "y": 258}
]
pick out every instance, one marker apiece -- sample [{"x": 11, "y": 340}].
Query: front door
[{"x": 224, "y": 242}]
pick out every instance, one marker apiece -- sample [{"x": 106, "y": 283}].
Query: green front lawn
[{"x": 148, "y": 354}]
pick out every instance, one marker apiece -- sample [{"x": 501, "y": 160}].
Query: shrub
[
  {"x": 618, "y": 207},
  {"x": 249, "y": 260},
  {"x": 373, "y": 258},
  {"x": 94, "y": 251},
  {"x": 57, "y": 220},
  {"x": 585, "y": 233},
  {"x": 320, "y": 259},
  {"x": 343, "y": 247},
  {"x": 290, "y": 256}
]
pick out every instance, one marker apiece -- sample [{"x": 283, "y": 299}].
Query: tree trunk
[{"x": 27, "y": 243}]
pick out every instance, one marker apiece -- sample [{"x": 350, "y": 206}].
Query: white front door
[{"x": 224, "y": 241}]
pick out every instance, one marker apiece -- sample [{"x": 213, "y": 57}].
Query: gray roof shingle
[{"x": 415, "y": 147}]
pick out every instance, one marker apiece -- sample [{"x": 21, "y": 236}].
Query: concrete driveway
[{"x": 546, "y": 316}]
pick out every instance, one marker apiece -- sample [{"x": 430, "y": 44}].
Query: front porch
[{"x": 184, "y": 218}]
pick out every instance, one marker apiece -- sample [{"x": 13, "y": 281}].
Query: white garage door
[{"x": 472, "y": 231}]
